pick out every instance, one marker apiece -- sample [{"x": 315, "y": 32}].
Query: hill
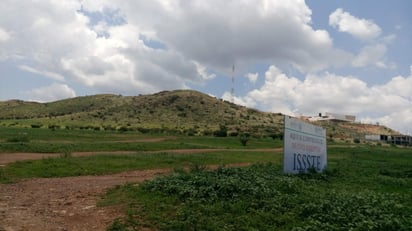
[
  {"x": 345, "y": 130},
  {"x": 180, "y": 111}
]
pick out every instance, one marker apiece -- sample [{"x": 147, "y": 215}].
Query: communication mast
[{"x": 232, "y": 92}]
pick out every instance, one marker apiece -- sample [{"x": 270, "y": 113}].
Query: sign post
[{"x": 304, "y": 147}]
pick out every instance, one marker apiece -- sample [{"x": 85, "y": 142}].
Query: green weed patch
[{"x": 261, "y": 198}]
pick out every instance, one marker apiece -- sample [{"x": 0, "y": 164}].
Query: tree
[
  {"x": 222, "y": 132},
  {"x": 244, "y": 138}
]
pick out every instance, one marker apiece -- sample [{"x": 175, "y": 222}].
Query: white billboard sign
[{"x": 304, "y": 146}]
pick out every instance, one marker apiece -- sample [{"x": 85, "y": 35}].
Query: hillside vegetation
[{"x": 180, "y": 111}]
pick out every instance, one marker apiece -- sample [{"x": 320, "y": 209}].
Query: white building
[{"x": 333, "y": 117}]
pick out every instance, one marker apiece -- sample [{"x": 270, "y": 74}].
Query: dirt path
[{"x": 63, "y": 203}]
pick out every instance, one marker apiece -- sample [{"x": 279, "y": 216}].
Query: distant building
[
  {"x": 391, "y": 139},
  {"x": 375, "y": 137},
  {"x": 333, "y": 117}
]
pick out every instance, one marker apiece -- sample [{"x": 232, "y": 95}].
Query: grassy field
[
  {"x": 365, "y": 187},
  {"x": 58, "y": 141},
  {"x": 66, "y": 142},
  {"x": 108, "y": 164}
]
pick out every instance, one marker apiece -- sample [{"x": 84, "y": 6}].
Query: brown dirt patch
[
  {"x": 6, "y": 158},
  {"x": 63, "y": 203}
]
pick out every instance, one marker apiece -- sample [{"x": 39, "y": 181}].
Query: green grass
[
  {"x": 97, "y": 146},
  {"x": 63, "y": 135},
  {"x": 46, "y": 141},
  {"x": 107, "y": 164},
  {"x": 233, "y": 142},
  {"x": 364, "y": 188}
]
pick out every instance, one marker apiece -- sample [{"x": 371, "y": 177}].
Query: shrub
[
  {"x": 244, "y": 138},
  {"x": 276, "y": 136},
  {"x": 53, "y": 127},
  {"x": 123, "y": 129},
  {"x": 190, "y": 132},
  {"x": 207, "y": 132},
  {"x": 143, "y": 130},
  {"x": 222, "y": 132},
  {"x": 36, "y": 125}
]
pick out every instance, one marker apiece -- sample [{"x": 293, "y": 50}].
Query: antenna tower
[{"x": 232, "y": 92}]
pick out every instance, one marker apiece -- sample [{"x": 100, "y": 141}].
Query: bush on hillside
[
  {"x": 244, "y": 138},
  {"x": 222, "y": 132}
]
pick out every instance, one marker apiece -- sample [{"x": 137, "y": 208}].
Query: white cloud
[
  {"x": 388, "y": 103},
  {"x": 212, "y": 33},
  {"x": 4, "y": 35},
  {"x": 252, "y": 77},
  {"x": 398, "y": 85},
  {"x": 202, "y": 70},
  {"x": 47, "y": 74},
  {"x": 244, "y": 101},
  {"x": 59, "y": 40},
  {"x": 370, "y": 55},
  {"x": 201, "y": 39},
  {"x": 360, "y": 28},
  {"x": 374, "y": 52},
  {"x": 51, "y": 93}
]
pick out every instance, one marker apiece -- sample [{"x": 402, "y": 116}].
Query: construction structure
[
  {"x": 332, "y": 117},
  {"x": 404, "y": 140},
  {"x": 232, "y": 90}
]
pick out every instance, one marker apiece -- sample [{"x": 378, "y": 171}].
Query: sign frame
[{"x": 304, "y": 147}]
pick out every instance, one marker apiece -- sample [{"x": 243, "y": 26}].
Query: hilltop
[{"x": 179, "y": 111}]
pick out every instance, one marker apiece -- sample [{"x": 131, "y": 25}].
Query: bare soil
[{"x": 63, "y": 203}]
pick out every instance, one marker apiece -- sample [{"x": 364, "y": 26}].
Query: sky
[{"x": 295, "y": 57}]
